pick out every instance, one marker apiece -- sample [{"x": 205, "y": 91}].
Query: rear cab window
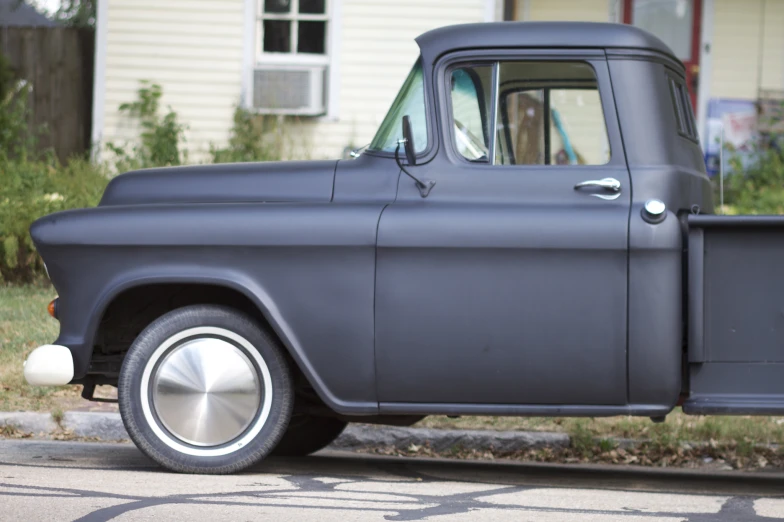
[{"x": 681, "y": 104}]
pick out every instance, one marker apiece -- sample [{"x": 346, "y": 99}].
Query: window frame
[
  {"x": 295, "y": 17},
  {"x": 590, "y": 57}
]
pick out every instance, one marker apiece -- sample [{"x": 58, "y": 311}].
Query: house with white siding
[{"x": 332, "y": 67}]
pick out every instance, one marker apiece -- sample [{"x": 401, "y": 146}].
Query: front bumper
[{"x": 49, "y": 365}]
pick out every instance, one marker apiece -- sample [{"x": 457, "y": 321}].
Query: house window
[
  {"x": 292, "y": 74},
  {"x": 294, "y": 29}
]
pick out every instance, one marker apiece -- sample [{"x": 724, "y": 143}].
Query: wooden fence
[{"x": 58, "y": 63}]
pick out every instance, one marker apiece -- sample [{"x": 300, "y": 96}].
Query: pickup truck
[{"x": 530, "y": 232}]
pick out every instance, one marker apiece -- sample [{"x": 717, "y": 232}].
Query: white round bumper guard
[{"x": 49, "y": 365}]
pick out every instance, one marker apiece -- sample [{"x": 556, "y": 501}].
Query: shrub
[
  {"x": 756, "y": 187},
  {"x": 160, "y": 139},
  {"x": 16, "y": 138},
  {"x": 252, "y": 138},
  {"x": 31, "y": 189}
]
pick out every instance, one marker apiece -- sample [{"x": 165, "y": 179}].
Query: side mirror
[
  {"x": 408, "y": 136},
  {"x": 408, "y": 141}
]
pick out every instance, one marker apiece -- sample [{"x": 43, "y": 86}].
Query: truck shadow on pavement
[{"x": 124, "y": 482}]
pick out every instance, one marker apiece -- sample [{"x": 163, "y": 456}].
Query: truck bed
[{"x": 735, "y": 315}]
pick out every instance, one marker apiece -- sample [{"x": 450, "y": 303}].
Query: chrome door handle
[{"x": 610, "y": 184}]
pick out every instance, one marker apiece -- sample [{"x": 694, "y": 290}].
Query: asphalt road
[{"x": 90, "y": 481}]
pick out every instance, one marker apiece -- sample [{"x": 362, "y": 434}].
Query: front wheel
[{"x": 204, "y": 389}]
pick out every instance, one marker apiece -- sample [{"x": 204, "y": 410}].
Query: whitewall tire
[{"x": 204, "y": 389}]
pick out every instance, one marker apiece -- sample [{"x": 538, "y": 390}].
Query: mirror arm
[{"x": 423, "y": 186}]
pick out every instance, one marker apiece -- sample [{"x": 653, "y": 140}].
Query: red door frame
[{"x": 692, "y": 65}]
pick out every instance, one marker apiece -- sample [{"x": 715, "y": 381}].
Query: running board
[
  {"x": 734, "y": 405},
  {"x": 535, "y": 410}
]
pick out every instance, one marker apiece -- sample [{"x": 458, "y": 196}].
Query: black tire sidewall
[
  {"x": 129, "y": 389},
  {"x": 308, "y": 434}
]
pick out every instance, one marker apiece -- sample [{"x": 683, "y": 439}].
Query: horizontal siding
[
  {"x": 192, "y": 48},
  {"x": 736, "y": 45},
  {"x": 565, "y": 10},
  {"x": 772, "y": 76},
  {"x": 377, "y": 53},
  {"x": 174, "y": 40},
  {"x": 177, "y": 64}
]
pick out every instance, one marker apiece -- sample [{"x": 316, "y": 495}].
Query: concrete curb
[
  {"x": 26, "y": 422},
  {"x": 363, "y": 436},
  {"x": 103, "y": 426},
  {"x": 109, "y": 427}
]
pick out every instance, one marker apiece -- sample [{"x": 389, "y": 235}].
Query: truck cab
[
  {"x": 544, "y": 141},
  {"x": 530, "y": 232}
]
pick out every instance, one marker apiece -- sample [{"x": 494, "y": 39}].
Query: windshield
[{"x": 410, "y": 101}]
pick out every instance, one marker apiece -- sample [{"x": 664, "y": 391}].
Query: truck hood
[{"x": 230, "y": 183}]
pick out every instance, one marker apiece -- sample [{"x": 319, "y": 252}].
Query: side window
[
  {"x": 471, "y": 88},
  {"x": 545, "y": 113}
]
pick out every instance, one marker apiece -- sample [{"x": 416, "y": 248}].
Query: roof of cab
[{"x": 563, "y": 35}]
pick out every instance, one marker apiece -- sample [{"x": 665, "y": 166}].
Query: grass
[
  {"x": 678, "y": 427},
  {"x": 24, "y": 325}
]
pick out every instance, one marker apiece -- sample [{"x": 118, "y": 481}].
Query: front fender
[
  {"x": 255, "y": 293},
  {"x": 308, "y": 268}
]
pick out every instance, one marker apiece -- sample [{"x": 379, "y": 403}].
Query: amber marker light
[{"x": 52, "y": 307}]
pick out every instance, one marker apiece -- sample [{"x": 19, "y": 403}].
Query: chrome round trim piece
[
  {"x": 205, "y": 391},
  {"x": 655, "y": 207},
  {"x": 208, "y": 360}
]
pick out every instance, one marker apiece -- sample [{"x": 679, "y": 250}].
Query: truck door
[{"x": 507, "y": 284}]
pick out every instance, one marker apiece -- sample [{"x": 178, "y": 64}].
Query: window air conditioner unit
[{"x": 295, "y": 90}]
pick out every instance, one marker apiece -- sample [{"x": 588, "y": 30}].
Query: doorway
[{"x": 677, "y": 23}]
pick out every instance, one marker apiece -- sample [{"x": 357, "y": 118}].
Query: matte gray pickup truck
[{"x": 530, "y": 232}]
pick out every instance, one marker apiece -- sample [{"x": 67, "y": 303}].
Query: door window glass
[
  {"x": 545, "y": 113},
  {"x": 521, "y": 121},
  {"x": 471, "y": 97}
]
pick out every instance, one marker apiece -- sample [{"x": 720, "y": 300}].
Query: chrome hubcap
[{"x": 206, "y": 392}]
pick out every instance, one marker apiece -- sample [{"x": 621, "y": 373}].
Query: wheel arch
[{"x": 255, "y": 301}]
